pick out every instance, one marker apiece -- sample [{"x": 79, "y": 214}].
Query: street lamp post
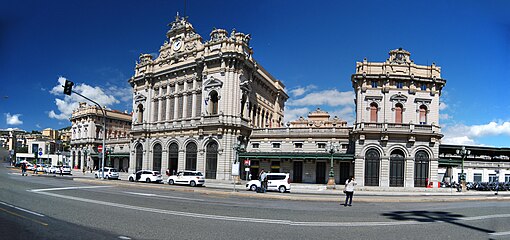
[
  {"x": 58, "y": 156},
  {"x": 497, "y": 179},
  {"x": 463, "y": 152},
  {"x": 331, "y": 149},
  {"x": 239, "y": 146}
]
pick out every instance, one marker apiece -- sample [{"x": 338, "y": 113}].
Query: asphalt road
[{"x": 37, "y": 207}]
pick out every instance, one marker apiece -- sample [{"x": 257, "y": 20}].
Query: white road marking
[
  {"x": 260, "y": 220},
  {"x": 499, "y": 233},
  {"x": 162, "y": 196},
  {"x": 22, "y": 209},
  {"x": 124, "y": 237},
  {"x": 65, "y": 188}
]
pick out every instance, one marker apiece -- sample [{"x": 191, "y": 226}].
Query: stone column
[
  {"x": 409, "y": 173},
  {"x": 384, "y": 177}
]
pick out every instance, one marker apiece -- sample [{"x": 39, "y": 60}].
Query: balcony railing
[
  {"x": 301, "y": 131},
  {"x": 397, "y": 127}
]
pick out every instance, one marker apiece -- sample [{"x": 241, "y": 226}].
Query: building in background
[
  {"x": 87, "y": 134},
  {"x": 198, "y": 99},
  {"x": 397, "y": 131},
  {"x": 302, "y": 149}
]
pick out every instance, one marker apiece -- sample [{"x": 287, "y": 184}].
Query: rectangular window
[
  {"x": 477, "y": 177},
  {"x": 321, "y": 145},
  {"x": 492, "y": 178},
  {"x": 400, "y": 85},
  {"x": 199, "y": 105},
  {"x": 189, "y": 105},
  {"x": 171, "y": 109},
  {"x": 507, "y": 177},
  {"x": 423, "y": 86},
  {"x": 374, "y": 84},
  {"x": 298, "y": 145},
  {"x": 180, "y": 107},
  {"x": 276, "y": 145},
  {"x": 255, "y": 145}
]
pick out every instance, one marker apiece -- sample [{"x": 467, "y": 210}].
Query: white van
[{"x": 275, "y": 181}]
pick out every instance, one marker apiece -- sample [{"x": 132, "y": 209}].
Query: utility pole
[{"x": 68, "y": 89}]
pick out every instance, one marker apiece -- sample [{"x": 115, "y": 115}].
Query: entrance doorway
[
  {"x": 397, "y": 169},
  {"x": 345, "y": 171},
  {"x": 297, "y": 176},
  {"x": 320, "y": 173}
]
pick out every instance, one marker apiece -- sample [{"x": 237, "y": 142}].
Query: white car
[
  {"x": 192, "y": 178},
  {"x": 65, "y": 170},
  {"x": 146, "y": 176},
  {"x": 275, "y": 181},
  {"x": 51, "y": 169},
  {"x": 109, "y": 173}
]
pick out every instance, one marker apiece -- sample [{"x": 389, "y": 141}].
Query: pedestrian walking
[
  {"x": 349, "y": 190},
  {"x": 83, "y": 169},
  {"x": 263, "y": 181},
  {"x": 23, "y": 168},
  {"x": 167, "y": 172},
  {"x": 61, "y": 170}
]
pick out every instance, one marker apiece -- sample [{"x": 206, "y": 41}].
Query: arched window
[
  {"x": 372, "y": 163},
  {"x": 423, "y": 114},
  {"x": 191, "y": 156},
  {"x": 213, "y": 102},
  {"x": 398, "y": 113},
  {"x": 211, "y": 160},
  {"x": 373, "y": 112},
  {"x": 397, "y": 168},
  {"x": 139, "y": 157},
  {"x": 156, "y": 157},
  {"x": 140, "y": 113},
  {"x": 173, "y": 158},
  {"x": 79, "y": 158},
  {"x": 421, "y": 169}
]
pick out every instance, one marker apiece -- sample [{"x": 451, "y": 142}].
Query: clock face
[{"x": 177, "y": 45}]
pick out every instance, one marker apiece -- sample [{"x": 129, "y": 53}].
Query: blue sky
[{"x": 312, "y": 46}]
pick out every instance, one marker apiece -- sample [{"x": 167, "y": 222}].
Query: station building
[{"x": 206, "y": 104}]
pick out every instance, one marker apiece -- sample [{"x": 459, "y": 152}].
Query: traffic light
[{"x": 68, "y": 87}]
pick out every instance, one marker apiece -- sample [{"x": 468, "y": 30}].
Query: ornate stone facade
[
  {"x": 397, "y": 131},
  {"x": 87, "y": 135},
  {"x": 197, "y": 99}
]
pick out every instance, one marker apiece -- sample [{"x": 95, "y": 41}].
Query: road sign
[
  {"x": 40, "y": 153},
  {"x": 100, "y": 148},
  {"x": 40, "y": 149},
  {"x": 247, "y": 162}
]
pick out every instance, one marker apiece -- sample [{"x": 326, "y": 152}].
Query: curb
[{"x": 297, "y": 197}]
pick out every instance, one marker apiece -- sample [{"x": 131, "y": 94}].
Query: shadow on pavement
[{"x": 433, "y": 216}]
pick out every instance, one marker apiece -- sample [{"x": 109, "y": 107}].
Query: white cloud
[
  {"x": 345, "y": 113},
  {"x": 292, "y": 114},
  {"x": 444, "y": 116},
  {"x": 442, "y": 106},
  {"x": 467, "y": 135},
  {"x": 13, "y": 119},
  {"x": 301, "y": 90},
  {"x": 326, "y": 97},
  {"x": 463, "y": 140},
  {"x": 69, "y": 103}
]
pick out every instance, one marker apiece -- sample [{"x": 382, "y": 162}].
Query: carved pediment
[
  {"x": 213, "y": 83},
  {"x": 140, "y": 98},
  {"x": 399, "y": 97}
]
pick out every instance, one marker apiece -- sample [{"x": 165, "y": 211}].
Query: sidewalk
[{"x": 315, "y": 192}]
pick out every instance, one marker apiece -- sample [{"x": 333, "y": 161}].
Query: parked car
[
  {"x": 40, "y": 167},
  {"x": 66, "y": 170},
  {"x": 192, "y": 178},
  {"x": 30, "y": 167},
  {"x": 146, "y": 175},
  {"x": 275, "y": 182},
  {"x": 50, "y": 169},
  {"x": 110, "y": 173}
]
